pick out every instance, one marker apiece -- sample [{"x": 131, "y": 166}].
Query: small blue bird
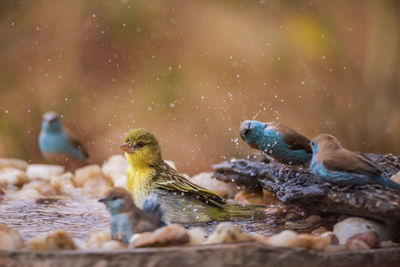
[
  {"x": 59, "y": 145},
  {"x": 127, "y": 219},
  {"x": 337, "y": 165},
  {"x": 278, "y": 141}
]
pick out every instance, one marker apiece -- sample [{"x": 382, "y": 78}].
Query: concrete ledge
[{"x": 243, "y": 254}]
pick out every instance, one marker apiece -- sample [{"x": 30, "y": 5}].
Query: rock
[
  {"x": 396, "y": 177},
  {"x": 290, "y": 238},
  {"x": 207, "y": 180},
  {"x": 63, "y": 183},
  {"x": 44, "y": 188},
  {"x": 11, "y": 176},
  {"x": 92, "y": 179},
  {"x": 43, "y": 171},
  {"x": 58, "y": 240},
  {"x": 27, "y": 194},
  {"x": 227, "y": 233},
  {"x": 115, "y": 168},
  {"x": 287, "y": 238},
  {"x": 302, "y": 224},
  {"x": 9, "y": 238},
  {"x": 173, "y": 234},
  {"x": 113, "y": 245},
  {"x": 97, "y": 239},
  {"x": 354, "y": 225},
  {"x": 247, "y": 196},
  {"x": 302, "y": 188},
  {"x": 369, "y": 238},
  {"x": 13, "y": 163},
  {"x": 356, "y": 245},
  {"x": 388, "y": 244},
  {"x": 197, "y": 236}
]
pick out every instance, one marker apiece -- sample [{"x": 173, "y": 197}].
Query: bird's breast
[{"x": 139, "y": 182}]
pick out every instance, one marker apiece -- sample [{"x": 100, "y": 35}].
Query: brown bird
[
  {"x": 126, "y": 218},
  {"x": 337, "y": 165}
]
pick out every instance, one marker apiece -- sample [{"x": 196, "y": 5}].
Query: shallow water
[{"x": 82, "y": 215}]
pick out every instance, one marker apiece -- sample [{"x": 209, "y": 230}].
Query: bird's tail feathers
[
  {"x": 151, "y": 206},
  {"x": 237, "y": 211},
  {"x": 388, "y": 182}
]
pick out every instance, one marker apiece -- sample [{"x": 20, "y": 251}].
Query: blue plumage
[
  {"x": 277, "y": 141},
  {"x": 126, "y": 219},
  {"x": 57, "y": 144},
  {"x": 337, "y": 165}
]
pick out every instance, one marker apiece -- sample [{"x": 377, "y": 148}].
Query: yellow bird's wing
[{"x": 169, "y": 179}]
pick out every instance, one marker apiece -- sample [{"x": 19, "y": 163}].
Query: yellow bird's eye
[{"x": 140, "y": 145}]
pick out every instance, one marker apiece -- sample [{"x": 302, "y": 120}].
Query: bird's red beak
[{"x": 127, "y": 147}]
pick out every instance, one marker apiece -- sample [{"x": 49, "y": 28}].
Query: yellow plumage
[{"x": 181, "y": 199}]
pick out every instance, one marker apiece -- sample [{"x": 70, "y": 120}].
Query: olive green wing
[{"x": 167, "y": 178}]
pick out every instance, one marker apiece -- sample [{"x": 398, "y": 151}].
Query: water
[{"x": 82, "y": 215}]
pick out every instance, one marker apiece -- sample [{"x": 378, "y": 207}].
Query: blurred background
[{"x": 191, "y": 71}]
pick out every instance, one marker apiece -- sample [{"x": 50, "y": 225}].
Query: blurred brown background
[{"x": 190, "y": 71}]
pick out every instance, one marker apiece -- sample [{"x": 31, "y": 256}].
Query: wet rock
[
  {"x": 115, "y": 168},
  {"x": 207, "y": 180},
  {"x": 396, "y": 177},
  {"x": 102, "y": 240},
  {"x": 173, "y": 234},
  {"x": 302, "y": 224},
  {"x": 27, "y": 194},
  {"x": 43, "y": 171},
  {"x": 227, "y": 233},
  {"x": 12, "y": 177},
  {"x": 44, "y": 188},
  {"x": 63, "y": 183},
  {"x": 247, "y": 196},
  {"x": 197, "y": 236},
  {"x": 290, "y": 238},
  {"x": 354, "y": 225},
  {"x": 58, "y": 240},
  {"x": 356, "y": 245},
  {"x": 388, "y": 244},
  {"x": 369, "y": 238},
  {"x": 92, "y": 179},
  {"x": 9, "y": 238},
  {"x": 301, "y": 188},
  {"x": 13, "y": 163},
  {"x": 97, "y": 239}
]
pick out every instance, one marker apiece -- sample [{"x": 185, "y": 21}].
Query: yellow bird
[{"x": 182, "y": 200}]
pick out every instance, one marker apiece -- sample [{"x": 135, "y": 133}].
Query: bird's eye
[
  {"x": 140, "y": 145},
  {"x": 114, "y": 198},
  {"x": 312, "y": 143},
  {"x": 247, "y": 131}
]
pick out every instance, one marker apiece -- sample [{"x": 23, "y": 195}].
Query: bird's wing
[
  {"x": 345, "y": 160},
  {"x": 295, "y": 140},
  {"x": 74, "y": 141},
  {"x": 169, "y": 179}
]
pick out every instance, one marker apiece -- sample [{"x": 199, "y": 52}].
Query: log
[{"x": 298, "y": 186}]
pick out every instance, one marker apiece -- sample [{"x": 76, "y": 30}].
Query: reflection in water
[{"x": 81, "y": 215}]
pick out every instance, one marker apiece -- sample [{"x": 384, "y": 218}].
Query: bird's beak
[
  {"x": 244, "y": 129},
  {"x": 127, "y": 147},
  {"x": 103, "y": 199}
]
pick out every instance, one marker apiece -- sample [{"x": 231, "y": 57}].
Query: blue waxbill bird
[
  {"x": 278, "y": 141},
  {"x": 337, "y": 165},
  {"x": 59, "y": 145},
  {"x": 126, "y": 218}
]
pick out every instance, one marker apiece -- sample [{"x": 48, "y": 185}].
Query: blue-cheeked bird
[
  {"x": 127, "y": 219},
  {"x": 57, "y": 144},
  {"x": 278, "y": 141},
  {"x": 337, "y": 165}
]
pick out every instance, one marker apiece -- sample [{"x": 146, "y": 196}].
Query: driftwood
[{"x": 298, "y": 186}]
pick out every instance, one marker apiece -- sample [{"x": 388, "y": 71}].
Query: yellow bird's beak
[{"x": 127, "y": 147}]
